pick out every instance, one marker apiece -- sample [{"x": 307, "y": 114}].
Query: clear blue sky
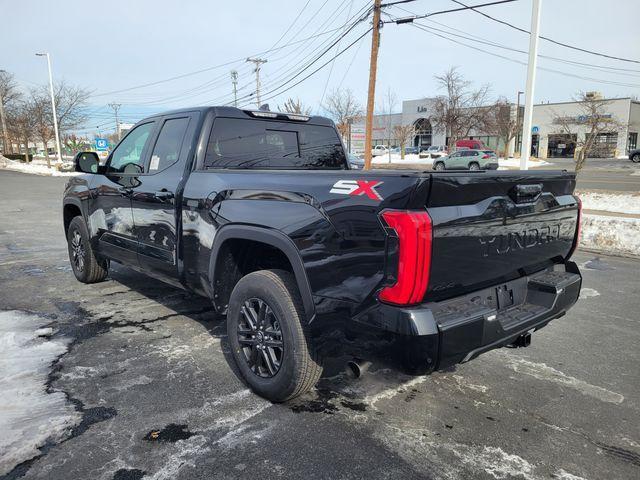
[{"x": 107, "y": 46}]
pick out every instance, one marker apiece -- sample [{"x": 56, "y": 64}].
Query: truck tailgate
[{"x": 493, "y": 227}]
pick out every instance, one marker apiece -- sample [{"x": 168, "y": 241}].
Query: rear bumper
[
  {"x": 491, "y": 166},
  {"x": 459, "y": 329}
]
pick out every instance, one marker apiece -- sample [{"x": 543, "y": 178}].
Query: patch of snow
[
  {"x": 511, "y": 163},
  {"x": 495, "y": 461},
  {"x": 542, "y": 371},
  {"x": 619, "y": 235},
  {"x": 395, "y": 158},
  {"x": 564, "y": 475},
  {"x": 185, "y": 453},
  {"x": 589, "y": 293},
  {"x": 29, "y": 416},
  {"x": 610, "y": 202},
  {"x": 36, "y": 167}
]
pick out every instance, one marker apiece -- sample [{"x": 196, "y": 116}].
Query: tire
[
  {"x": 266, "y": 329},
  {"x": 439, "y": 166},
  {"x": 474, "y": 166},
  {"x": 86, "y": 267},
  {"x": 636, "y": 158}
]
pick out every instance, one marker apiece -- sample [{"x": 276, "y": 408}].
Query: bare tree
[
  {"x": 404, "y": 134},
  {"x": 21, "y": 125},
  {"x": 342, "y": 107},
  {"x": 502, "y": 121},
  {"x": 461, "y": 109},
  {"x": 294, "y": 105},
  {"x": 70, "y": 102},
  {"x": 388, "y": 104},
  {"x": 9, "y": 96},
  {"x": 593, "y": 119}
]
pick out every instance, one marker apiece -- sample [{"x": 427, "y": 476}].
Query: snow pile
[
  {"x": 514, "y": 163},
  {"x": 611, "y": 202},
  {"x": 396, "y": 158},
  {"x": 29, "y": 416},
  {"x": 36, "y": 167},
  {"x": 611, "y": 234}
]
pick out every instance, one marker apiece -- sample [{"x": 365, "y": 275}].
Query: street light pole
[
  {"x": 53, "y": 106},
  {"x": 531, "y": 80}
]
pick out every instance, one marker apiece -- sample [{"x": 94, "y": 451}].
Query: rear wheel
[
  {"x": 439, "y": 166},
  {"x": 474, "y": 166},
  {"x": 86, "y": 267},
  {"x": 266, "y": 331},
  {"x": 636, "y": 158}
]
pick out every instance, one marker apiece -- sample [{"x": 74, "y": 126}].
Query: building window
[
  {"x": 633, "y": 141},
  {"x": 604, "y": 145},
  {"x": 423, "y": 133}
]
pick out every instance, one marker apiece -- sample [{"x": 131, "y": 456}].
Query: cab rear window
[{"x": 246, "y": 143}]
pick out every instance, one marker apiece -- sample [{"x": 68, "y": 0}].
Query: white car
[
  {"x": 379, "y": 150},
  {"x": 437, "y": 151}
]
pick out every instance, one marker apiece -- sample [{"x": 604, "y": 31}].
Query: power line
[
  {"x": 319, "y": 56},
  {"x": 196, "y": 72},
  {"x": 560, "y": 72},
  {"x": 573, "y": 47},
  {"x": 292, "y": 24},
  {"x": 451, "y": 10},
  {"x": 319, "y": 68}
]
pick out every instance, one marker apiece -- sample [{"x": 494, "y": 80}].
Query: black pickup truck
[{"x": 259, "y": 212}]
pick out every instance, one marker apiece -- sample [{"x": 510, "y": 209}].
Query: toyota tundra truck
[{"x": 259, "y": 212}]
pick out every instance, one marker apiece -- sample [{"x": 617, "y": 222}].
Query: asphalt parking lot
[{"x": 148, "y": 374}]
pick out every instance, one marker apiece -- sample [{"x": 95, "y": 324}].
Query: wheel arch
[
  {"x": 71, "y": 208},
  {"x": 271, "y": 238}
]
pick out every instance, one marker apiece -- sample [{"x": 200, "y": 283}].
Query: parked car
[
  {"x": 379, "y": 150},
  {"x": 259, "y": 212},
  {"x": 437, "y": 151},
  {"x": 467, "y": 160},
  {"x": 410, "y": 150},
  {"x": 634, "y": 155},
  {"x": 471, "y": 144},
  {"x": 491, "y": 153},
  {"x": 356, "y": 163}
]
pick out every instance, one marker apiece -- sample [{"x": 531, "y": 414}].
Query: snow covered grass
[
  {"x": 514, "y": 163},
  {"x": 611, "y": 234},
  {"x": 611, "y": 202},
  {"x": 36, "y": 167},
  {"x": 395, "y": 158},
  {"x": 29, "y": 416}
]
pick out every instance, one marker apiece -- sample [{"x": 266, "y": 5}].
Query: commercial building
[{"x": 548, "y": 138}]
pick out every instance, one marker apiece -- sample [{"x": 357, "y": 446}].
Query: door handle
[{"x": 163, "y": 195}]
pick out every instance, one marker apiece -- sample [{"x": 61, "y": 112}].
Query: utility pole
[
  {"x": 115, "y": 107},
  {"x": 53, "y": 107},
  {"x": 531, "y": 80},
  {"x": 234, "y": 81},
  {"x": 6, "y": 145},
  {"x": 257, "y": 62},
  {"x": 373, "y": 67}
]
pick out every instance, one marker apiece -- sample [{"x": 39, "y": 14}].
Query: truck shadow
[{"x": 375, "y": 356}]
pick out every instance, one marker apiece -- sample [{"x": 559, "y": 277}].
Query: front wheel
[
  {"x": 439, "y": 166},
  {"x": 266, "y": 328},
  {"x": 86, "y": 267},
  {"x": 474, "y": 166},
  {"x": 636, "y": 158}
]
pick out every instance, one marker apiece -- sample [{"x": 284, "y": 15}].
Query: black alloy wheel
[
  {"x": 260, "y": 338},
  {"x": 78, "y": 252}
]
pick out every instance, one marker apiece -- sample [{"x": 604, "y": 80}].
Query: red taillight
[
  {"x": 576, "y": 238},
  {"x": 485, "y": 156},
  {"x": 414, "y": 256}
]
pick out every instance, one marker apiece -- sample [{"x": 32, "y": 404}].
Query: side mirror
[{"x": 87, "y": 162}]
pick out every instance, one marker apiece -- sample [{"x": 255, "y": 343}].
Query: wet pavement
[{"x": 148, "y": 371}]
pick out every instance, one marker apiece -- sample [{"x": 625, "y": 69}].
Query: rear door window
[
  {"x": 166, "y": 151},
  {"x": 246, "y": 143}
]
